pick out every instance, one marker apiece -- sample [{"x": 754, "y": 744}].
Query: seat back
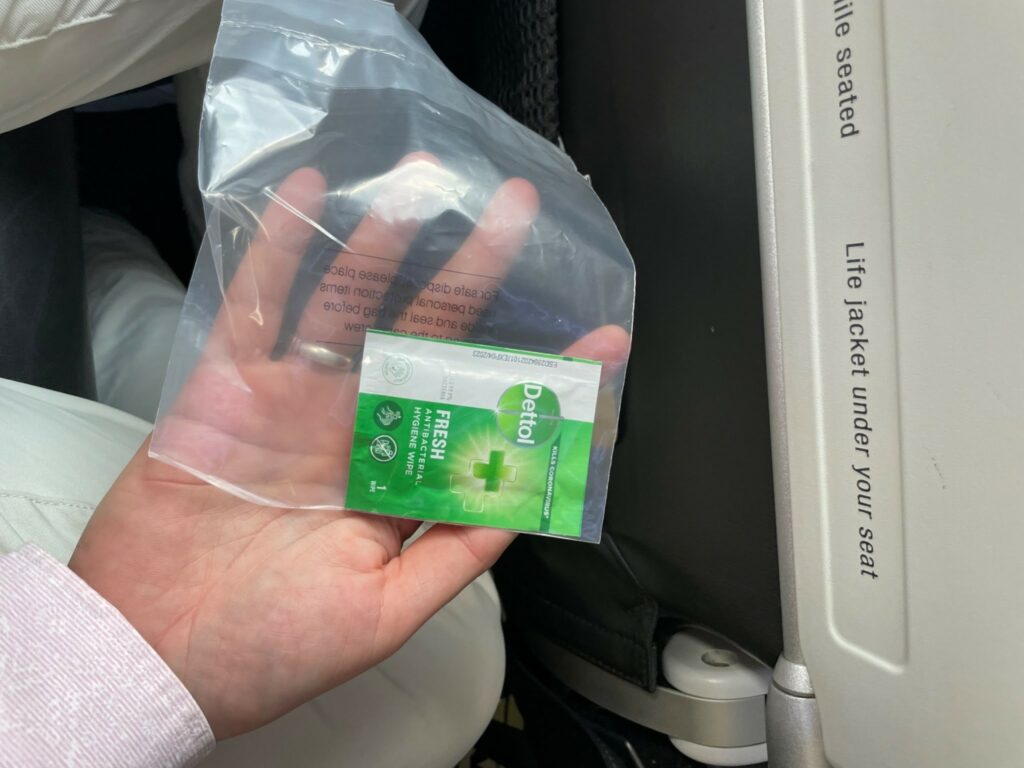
[{"x": 891, "y": 198}]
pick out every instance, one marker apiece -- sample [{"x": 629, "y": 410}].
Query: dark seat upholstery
[{"x": 655, "y": 106}]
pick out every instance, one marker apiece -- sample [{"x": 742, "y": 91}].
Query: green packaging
[{"x": 472, "y": 434}]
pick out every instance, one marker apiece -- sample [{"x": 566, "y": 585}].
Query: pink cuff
[{"x": 78, "y": 685}]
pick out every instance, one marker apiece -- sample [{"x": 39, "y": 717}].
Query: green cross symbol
[{"x": 493, "y": 472}]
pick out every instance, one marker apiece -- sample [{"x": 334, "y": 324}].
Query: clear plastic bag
[{"x": 352, "y": 183}]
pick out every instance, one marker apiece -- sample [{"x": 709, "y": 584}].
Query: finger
[
  {"x": 255, "y": 299},
  {"x": 406, "y": 528},
  {"x": 376, "y": 247},
  {"x": 479, "y": 266},
  {"x": 432, "y": 571},
  {"x": 608, "y": 344}
]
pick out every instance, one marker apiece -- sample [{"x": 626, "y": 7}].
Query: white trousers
[
  {"x": 56, "y": 54},
  {"x": 423, "y": 707}
]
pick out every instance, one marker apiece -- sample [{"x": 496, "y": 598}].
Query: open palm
[{"x": 259, "y": 608}]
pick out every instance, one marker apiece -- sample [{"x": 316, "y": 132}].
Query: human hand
[{"x": 258, "y": 608}]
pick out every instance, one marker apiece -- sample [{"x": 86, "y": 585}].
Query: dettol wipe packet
[{"x": 471, "y": 433}]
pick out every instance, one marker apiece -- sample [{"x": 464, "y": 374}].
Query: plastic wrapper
[{"x": 351, "y": 184}]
